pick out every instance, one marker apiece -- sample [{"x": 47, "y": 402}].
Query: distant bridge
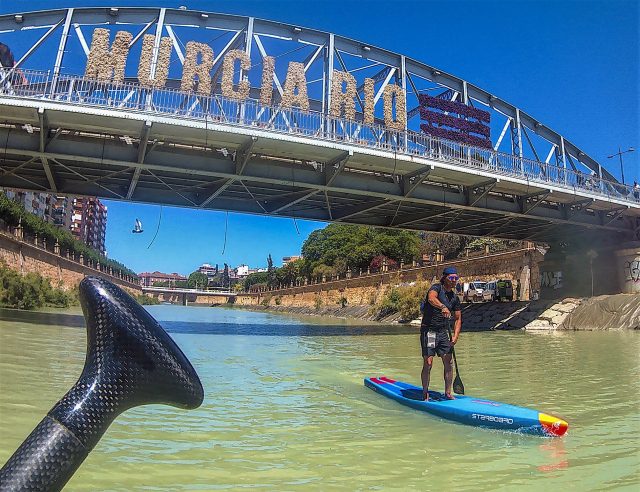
[
  {"x": 186, "y": 296},
  {"x": 124, "y": 140}
]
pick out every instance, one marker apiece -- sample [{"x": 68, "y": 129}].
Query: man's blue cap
[{"x": 450, "y": 271}]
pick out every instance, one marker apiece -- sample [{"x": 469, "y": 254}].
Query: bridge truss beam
[{"x": 256, "y": 182}]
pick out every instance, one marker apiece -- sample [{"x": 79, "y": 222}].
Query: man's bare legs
[
  {"x": 448, "y": 376},
  {"x": 426, "y": 373}
]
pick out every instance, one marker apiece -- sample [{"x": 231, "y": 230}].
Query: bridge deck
[{"x": 321, "y": 168}]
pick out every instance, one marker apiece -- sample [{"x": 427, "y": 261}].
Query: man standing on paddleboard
[{"x": 440, "y": 303}]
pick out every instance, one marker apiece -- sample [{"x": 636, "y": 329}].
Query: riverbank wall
[
  {"x": 609, "y": 312},
  {"x": 519, "y": 265},
  {"x": 62, "y": 271}
]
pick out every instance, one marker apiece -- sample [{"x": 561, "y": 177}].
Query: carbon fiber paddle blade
[
  {"x": 130, "y": 361},
  {"x": 458, "y": 387}
]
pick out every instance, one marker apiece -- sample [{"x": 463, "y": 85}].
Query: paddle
[{"x": 458, "y": 387}]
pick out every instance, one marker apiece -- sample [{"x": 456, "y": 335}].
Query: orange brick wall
[
  {"x": 367, "y": 290},
  {"x": 62, "y": 272}
]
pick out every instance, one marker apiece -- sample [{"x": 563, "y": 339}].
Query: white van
[
  {"x": 489, "y": 293},
  {"x": 474, "y": 291}
]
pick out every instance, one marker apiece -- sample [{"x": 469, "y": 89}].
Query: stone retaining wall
[
  {"x": 611, "y": 312},
  {"x": 63, "y": 272},
  {"x": 367, "y": 290}
]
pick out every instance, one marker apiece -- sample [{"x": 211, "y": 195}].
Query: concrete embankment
[
  {"x": 614, "y": 312},
  {"x": 348, "y": 312},
  {"x": 63, "y": 271},
  {"x": 617, "y": 312}
]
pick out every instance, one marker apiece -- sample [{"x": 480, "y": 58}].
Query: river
[{"x": 285, "y": 407}]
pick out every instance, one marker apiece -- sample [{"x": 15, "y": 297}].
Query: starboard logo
[{"x": 492, "y": 418}]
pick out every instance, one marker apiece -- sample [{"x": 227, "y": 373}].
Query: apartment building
[
  {"x": 89, "y": 222},
  {"x": 148, "y": 279}
]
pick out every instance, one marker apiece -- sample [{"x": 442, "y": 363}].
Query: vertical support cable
[
  {"x": 403, "y": 79},
  {"x": 247, "y": 50},
  {"x": 563, "y": 158},
  {"x": 154, "y": 56},
  {"x": 61, "y": 48},
  {"x": 329, "y": 80},
  {"x": 465, "y": 100},
  {"x": 465, "y": 92},
  {"x": 516, "y": 138},
  {"x": 156, "y": 44}
]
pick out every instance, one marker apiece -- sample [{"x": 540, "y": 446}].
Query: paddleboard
[{"x": 470, "y": 410}]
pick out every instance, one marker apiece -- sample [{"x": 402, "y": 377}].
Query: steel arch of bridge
[{"x": 126, "y": 139}]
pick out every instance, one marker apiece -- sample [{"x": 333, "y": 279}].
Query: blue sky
[{"x": 571, "y": 64}]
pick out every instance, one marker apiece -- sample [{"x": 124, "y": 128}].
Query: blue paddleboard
[{"x": 469, "y": 410}]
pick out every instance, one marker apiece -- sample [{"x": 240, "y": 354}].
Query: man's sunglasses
[{"x": 453, "y": 277}]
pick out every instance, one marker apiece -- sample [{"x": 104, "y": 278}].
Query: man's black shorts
[{"x": 439, "y": 341}]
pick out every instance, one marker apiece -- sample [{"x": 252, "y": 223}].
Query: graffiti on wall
[
  {"x": 551, "y": 280},
  {"x": 632, "y": 270}
]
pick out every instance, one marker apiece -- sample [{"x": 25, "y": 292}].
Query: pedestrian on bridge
[{"x": 440, "y": 305}]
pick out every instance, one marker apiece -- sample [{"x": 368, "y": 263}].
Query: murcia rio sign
[{"x": 106, "y": 62}]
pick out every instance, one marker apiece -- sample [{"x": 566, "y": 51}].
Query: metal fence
[{"x": 250, "y": 113}]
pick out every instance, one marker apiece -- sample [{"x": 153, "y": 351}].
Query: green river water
[{"x": 285, "y": 407}]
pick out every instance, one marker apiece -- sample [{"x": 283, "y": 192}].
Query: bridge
[
  {"x": 199, "y": 127},
  {"x": 185, "y": 296}
]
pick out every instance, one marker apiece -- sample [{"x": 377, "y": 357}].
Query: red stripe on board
[
  {"x": 388, "y": 380},
  {"x": 377, "y": 381}
]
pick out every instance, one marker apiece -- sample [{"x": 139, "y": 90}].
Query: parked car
[
  {"x": 473, "y": 291},
  {"x": 489, "y": 293},
  {"x": 498, "y": 290}
]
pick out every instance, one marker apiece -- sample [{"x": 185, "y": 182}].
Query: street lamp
[{"x": 619, "y": 154}]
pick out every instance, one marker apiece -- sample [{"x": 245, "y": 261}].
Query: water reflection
[
  {"x": 555, "y": 455},
  {"x": 42, "y": 317}
]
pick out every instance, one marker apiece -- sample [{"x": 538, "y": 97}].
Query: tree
[
  {"x": 197, "y": 280},
  {"x": 291, "y": 272},
  {"x": 254, "y": 278},
  {"x": 272, "y": 280},
  {"x": 225, "y": 276},
  {"x": 344, "y": 246},
  {"x": 378, "y": 261}
]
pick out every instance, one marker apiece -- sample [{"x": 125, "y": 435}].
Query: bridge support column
[
  {"x": 590, "y": 272},
  {"x": 184, "y": 299},
  {"x": 628, "y": 266}
]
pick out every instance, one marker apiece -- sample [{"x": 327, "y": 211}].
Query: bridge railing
[
  {"x": 181, "y": 290},
  {"x": 250, "y": 113}
]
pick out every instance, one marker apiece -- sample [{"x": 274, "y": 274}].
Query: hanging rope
[
  {"x": 157, "y": 228},
  {"x": 226, "y": 225},
  {"x": 395, "y": 164},
  {"x": 293, "y": 207},
  {"x": 6, "y": 145},
  {"x": 104, "y": 141}
]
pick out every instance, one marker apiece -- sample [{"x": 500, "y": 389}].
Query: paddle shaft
[
  {"x": 453, "y": 350},
  {"x": 458, "y": 387}
]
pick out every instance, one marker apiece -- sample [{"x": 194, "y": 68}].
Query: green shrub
[
  {"x": 278, "y": 300},
  {"x": 318, "y": 303},
  {"x": 147, "y": 300},
  {"x": 402, "y": 300},
  {"x": 30, "y": 291}
]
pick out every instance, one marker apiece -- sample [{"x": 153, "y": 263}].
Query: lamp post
[{"x": 619, "y": 154}]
